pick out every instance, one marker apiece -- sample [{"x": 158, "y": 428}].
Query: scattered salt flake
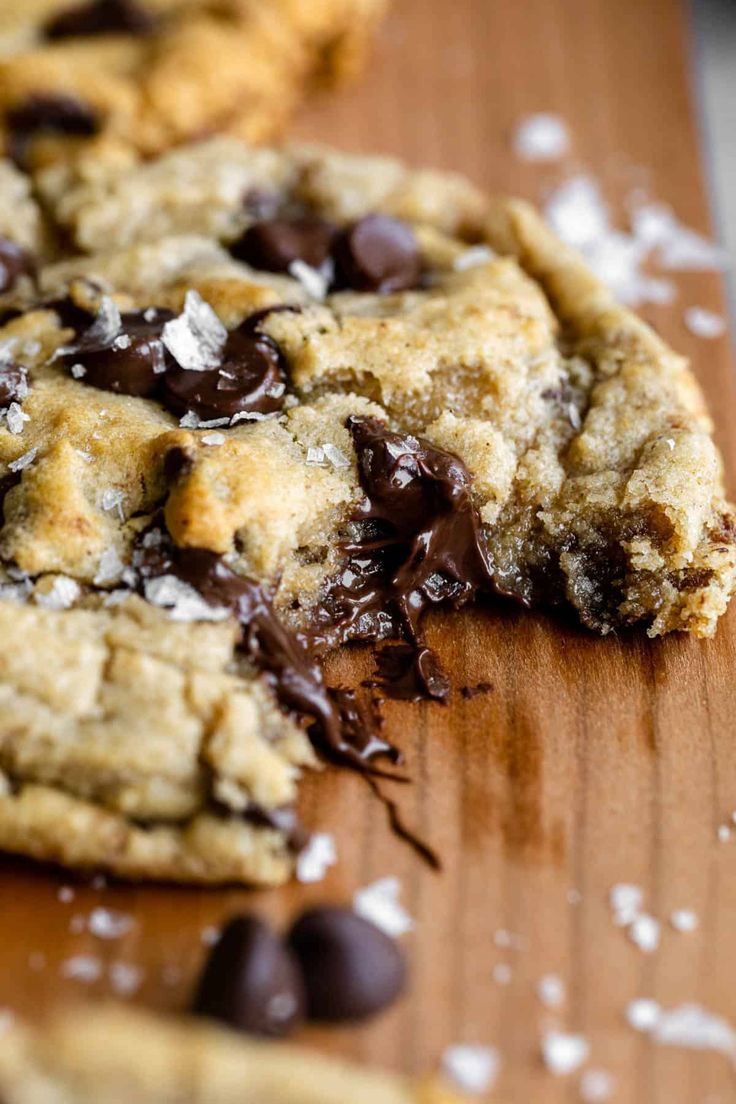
[
  {"x": 596, "y": 1086},
  {"x": 15, "y": 418},
  {"x": 65, "y": 894},
  {"x": 471, "y": 258},
  {"x": 316, "y": 858},
  {"x": 62, "y": 595},
  {"x": 643, "y": 1014},
  {"x": 507, "y": 939},
  {"x": 551, "y": 990},
  {"x": 210, "y": 935},
  {"x": 684, "y": 920},
  {"x": 315, "y": 455},
  {"x": 379, "y": 903},
  {"x": 502, "y": 973},
  {"x": 645, "y": 931},
  {"x": 109, "y": 568},
  {"x": 694, "y": 1027},
  {"x": 563, "y": 1053},
  {"x": 473, "y": 1069},
  {"x": 626, "y": 901},
  {"x": 83, "y": 968},
  {"x": 107, "y": 324},
  {"x": 122, "y": 342},
  {"x": 213, "y": 439},
  {"x": 315, "y": 282},
  {"x": 676, "y": 246},
  {"x": 112, "y": 499},
  {"x": 125, "y": 978},
  {"x": 724, "y": 833},
  {"x": 182, "y": 601},
  {"x": 6, "y": 1020},
  {"x": 109, "y": 924},
  {"x": 704, "y": 323},
  {"x": 542, "y": 137},
  {"x": 23, "y": 461},
  {"x": 150, "y": 314},
  {"x": 195, "y": 339},
  {"x": 337, "y": 458}
]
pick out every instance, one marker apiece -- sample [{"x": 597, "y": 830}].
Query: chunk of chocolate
[
  {"x": 13, "y": 383},
  {"x": 250, "y": 378},
  {"x": 14, "y": 262},
  {"x": 47, "y": 114},
  {"x": 274, "y": 244},
  {"x": 351, "y": 968},
  {"x": 252, "y": 981},
  {"x": 129, "y": 361},
  {"x": 377, "y": 253},
  {"x": 100, "y": 17}
]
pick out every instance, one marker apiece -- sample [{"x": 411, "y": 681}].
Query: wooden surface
[{"x": 592, "y": 762}]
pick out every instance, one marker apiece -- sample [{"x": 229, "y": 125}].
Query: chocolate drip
[{"x": 420, "y": 544}]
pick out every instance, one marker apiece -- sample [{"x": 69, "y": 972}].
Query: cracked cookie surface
[
  {"x": 122, "y": 75},
  {"x": 198, "y": 388}
]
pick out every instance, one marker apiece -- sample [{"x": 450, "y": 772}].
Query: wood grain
[{"x": 592, "y": 761}]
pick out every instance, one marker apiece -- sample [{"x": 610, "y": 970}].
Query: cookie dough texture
[
  {"x": 133, "y": 741},
  {"x": 115, "y": 1056},
  {"x": 236, "y": 65}
]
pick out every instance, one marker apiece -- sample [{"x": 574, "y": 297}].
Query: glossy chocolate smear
[
  {"x": 377, "y": 253},
  {"x": 13, "y": 383},
  {"x": 249, "y": 379},
  {"x": 47, "y": 114},
  {"x": 252, "y": 981},
  {"x": 283, "y": 656},
  {"x": 130, "y": 361},
  {"x": 274, "y": 244},
  {"x": 100, "y": 17},
  {"x": 351, "y": 968},
  {"x": 420, "y": 544},
  {"x": 14, "y": 262}
]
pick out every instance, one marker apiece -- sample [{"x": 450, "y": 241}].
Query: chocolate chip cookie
[
  {"x": 111, "y": 1055},
  {"x": 147, "y": 74},
  {"x": 264, "y": 402}
]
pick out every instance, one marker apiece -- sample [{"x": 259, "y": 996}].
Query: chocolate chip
[
  {"x": 377, "y": 253},
  {"x": 47, "y": 114},
  {"x": 249, "y": 379},
  {"x": 252, "y": 981},
  {"x": 14, "y": 262},
  {"x": 178, "y": 462},
  {"x": 351, "y": 968},
  {"x": 275, "y": 244},
  {"x": 100, "y": 17},
  {"x": 128, "y": 363},
  {"x": 13, "y": 384}
]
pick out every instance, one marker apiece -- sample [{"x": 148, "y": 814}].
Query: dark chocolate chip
[
  {"x": 14, "y": 262},
  {"x": 252, "y": 981},
  {"x": 275, "y": 244},
  {"x": 178, "y": 462},
  {"x": 351, "y": 968},
  {"x": 47, "y": 114},
  {"x": 100, "y": 17},
  {"x": 249, "y": 379},
  {"x": 377, "y": 253},
  {"x": 129, "y": 363},
  {"x": 13, "y": 384}
]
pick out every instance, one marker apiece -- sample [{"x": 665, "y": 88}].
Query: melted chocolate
[
  {"x": 129, "y": 363},
  {"x": 14, "y": 262},
  {"x": 421, "y": 544},
  {"x": 250, "y": 378},
  {"x": 274, "y": 244},
  {"x": 47, "y": 114},
  {"x": 377, "y": 253},
  {"x": 100, "y": 17}
]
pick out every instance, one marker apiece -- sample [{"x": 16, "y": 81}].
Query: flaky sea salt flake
[
  {"x": 62, "y": 595},
  {"x": 472, "y": 1068},
  {"x": 16, "y": 418},
  {"x": 84, "y": 968},
  {"x": 125, "y": 978},
  {"x": 337, "y": 458},
  {"x": 182, "y": 601},
  {"x": 626, "y": 901},
  {"x": 109, "y": 568},
  {"x": 684, "y": 920},
  {"x": 315, "y": 282},
  {"x": 213, "y": 439},
  {"x": 563, "y": 1053},
  {"x": 705, "y": 323},
  {"x": 541, "y": 137},
  {"x": 379, "y": 903},
  {"x": 316, "y": 858},
  {"x": 23, "y": 461},
  {"x": 109, "y": 924},
  {"x": 643, "y": 1014},
  {"x": 471, "y": 258},
  {"x": 551, "y": 990},
  {"x": 195, "y": 339},
  {"x": 645, "y": 931}
]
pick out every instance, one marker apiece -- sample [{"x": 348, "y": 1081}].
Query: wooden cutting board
[{"x": 591, "y": 762}]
